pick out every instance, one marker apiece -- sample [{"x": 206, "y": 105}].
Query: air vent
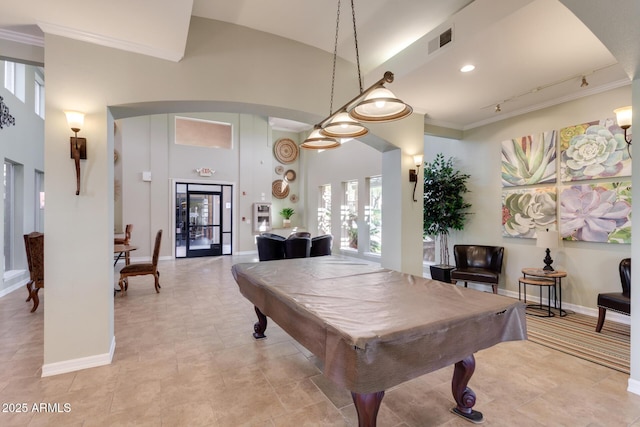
[{"x": 440, "y": 41}]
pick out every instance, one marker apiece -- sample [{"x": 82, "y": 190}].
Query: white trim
[
  {"x": 7, "y": 291},
  {"x": 634, "y": 386},
  {"x": 73, "y": 365},
  {"x": 101, "y": 40},
  {"x": 18, "y": 37}
]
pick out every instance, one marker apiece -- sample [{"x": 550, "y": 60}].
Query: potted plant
[
  {"x": 444, "y": 208},
  {"x": 286, "y": 213}
]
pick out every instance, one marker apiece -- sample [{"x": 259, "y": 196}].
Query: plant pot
[
  {"x": 441, "y": 272},
  {"x": 286, "y": 223}
]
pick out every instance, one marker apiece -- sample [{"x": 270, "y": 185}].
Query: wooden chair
[
  {"x": 141, "y": 269},
  {"x": 125, "y": 241},
  {"x": 127, "y": 236},
  {"x": 620, "y": 302},
  {"x": 34, "y": 246}
]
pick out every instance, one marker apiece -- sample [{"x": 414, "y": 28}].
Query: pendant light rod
[{"x": 387, "y": 78}]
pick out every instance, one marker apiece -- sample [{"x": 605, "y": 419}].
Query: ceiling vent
[{"x": 440, "y": 41}]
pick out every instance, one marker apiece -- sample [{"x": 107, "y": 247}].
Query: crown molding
[
  {"x": 111, "y": 42},
  {"x": 18, "y": 37}
]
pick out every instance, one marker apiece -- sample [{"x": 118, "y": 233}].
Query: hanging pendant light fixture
[{"x": 376, "y": 104}]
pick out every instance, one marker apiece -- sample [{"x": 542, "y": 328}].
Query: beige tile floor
[{"x": 186, "y": 357}]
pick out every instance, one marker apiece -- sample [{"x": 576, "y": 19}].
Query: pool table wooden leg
[
  {"x": 464, "y": 396},
  {"x": 367, "y": 406},
  {"x": 260, "y": 326}
]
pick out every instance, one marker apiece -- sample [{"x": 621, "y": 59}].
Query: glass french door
[{"x": 203, "y": 220}]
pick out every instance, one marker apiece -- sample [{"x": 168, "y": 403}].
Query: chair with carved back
[
  {"x": 34, "y": 247},
  {"x": 143, "y": 268}
]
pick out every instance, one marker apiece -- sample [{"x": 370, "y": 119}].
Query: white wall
[
  {"x": 22, "y": 144},
  {"x": 592, "y": 267}
]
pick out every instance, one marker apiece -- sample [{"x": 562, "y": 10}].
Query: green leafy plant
[
  {"x": 444, "y": 206},
  {"x": 286, "y": 213}
]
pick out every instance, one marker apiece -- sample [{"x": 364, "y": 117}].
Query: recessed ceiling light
[{"x": 468, "y": 68}]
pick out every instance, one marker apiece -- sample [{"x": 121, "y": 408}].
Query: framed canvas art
[
  {"x": 593, "y": 150},
  {"x": 529, "y": 160},
  {"x": 526, "y": 210},
  {"x": 596, "y": 212}
]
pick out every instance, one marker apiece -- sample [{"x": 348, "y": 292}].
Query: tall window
[
  {"x": 8, "y": 215},
  {"x": 349, "y": 216},
  {"x": 14, "y": 75},
  {"x": 38, "y": 101},
  {"x": 324, "y": 210},
  {"x": 39, "y": 194},
  {"x": 373, "y": 214}
]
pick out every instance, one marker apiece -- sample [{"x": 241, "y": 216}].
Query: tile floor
[{"x": 186, "y": 357}]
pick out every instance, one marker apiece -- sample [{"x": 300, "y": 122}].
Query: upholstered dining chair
[
  {"x": 124, "y": 240},
  {"x": 34, "y": 246},
  {"x": 620, "y": 302},
  {"x": 479, "y": 264},
  {"x": 143, "y": 268}
]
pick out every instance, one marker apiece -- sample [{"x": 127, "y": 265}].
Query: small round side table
[{"x": 543, "y": 278}]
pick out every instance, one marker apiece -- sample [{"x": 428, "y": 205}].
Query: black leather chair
[
  {"x": 270, "y": 246},
  {"x": 297, "y": 247},
  {"x": 620, "y": 302},
  {"x": 478, "y": 264},
  {"x": 321, "y": 245}
]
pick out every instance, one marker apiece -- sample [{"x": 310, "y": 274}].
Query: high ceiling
[{"x": 528, "y": 53}]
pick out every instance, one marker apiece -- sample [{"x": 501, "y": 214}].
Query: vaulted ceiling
[{"x": 528, "y": 53}]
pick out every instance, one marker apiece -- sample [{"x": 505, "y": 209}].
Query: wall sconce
[
  {"x": 623, "y": 117},
  {"x": 413, "y": 173},
  {"x": 78, "y": 145}
]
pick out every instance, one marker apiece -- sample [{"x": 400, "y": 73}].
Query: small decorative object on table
[
  {"x": 547, "y": 239},
  {"x": 286, "y": 214}
]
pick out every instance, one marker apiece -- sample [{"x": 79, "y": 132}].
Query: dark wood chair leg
[
  {"x": 602, "y": 312},
  {"x": 495, "y": 288},
  {"x": 29, "y": 289},
  {"x": 35, "y": 298}
]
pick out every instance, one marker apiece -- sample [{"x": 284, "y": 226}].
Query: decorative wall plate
[
  {"x": 279, "y": 169},
  {"x": 279, "y": 189},
  {"x": 294, "y": 198},
  {"x": 285, "y": 150},
  {"x": 290, "y": 175}
]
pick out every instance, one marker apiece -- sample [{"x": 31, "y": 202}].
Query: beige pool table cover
[{"x": 375, "y": 328}]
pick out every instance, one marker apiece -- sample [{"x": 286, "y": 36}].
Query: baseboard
[
  {"x": 634, "y": 386},
  {"x": 7, "y": 291},
  {"x": 66, "y": 366}
]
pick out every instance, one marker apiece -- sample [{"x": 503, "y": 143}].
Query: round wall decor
[
  {"x": 285, "y": 150},
  {"x": 279, "y": 169},
  {"x": 294, "y": 198},
  {"x": 279, "y": 189},
  {"x": 290, "y": 175}
]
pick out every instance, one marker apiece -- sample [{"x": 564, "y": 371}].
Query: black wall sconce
[
  {"x": 78, "y": 145},
  {"x": 413, "y": 173}
]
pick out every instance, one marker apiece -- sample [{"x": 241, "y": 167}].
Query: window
[
  {"x": 14, "y": 75},
  {"x": 349, "y": 216},
  {"x": 203, "y": 133},
  {"x": 38, "y": 101},
  {"x": 39, "y": 202},
  {"x": 324, "y": 210},
  {"x": 8, "y": 215},
  {"x": 373, "y": 213}
]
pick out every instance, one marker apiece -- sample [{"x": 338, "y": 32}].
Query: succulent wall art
[
  {"x": 595, "y": 210},
  {"x": 526, "y": 210},
  {"x": 529, "y": 160}
]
